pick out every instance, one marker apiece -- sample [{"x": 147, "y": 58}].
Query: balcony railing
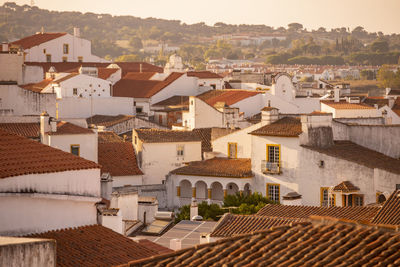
[{"x": 268, "y": 167}]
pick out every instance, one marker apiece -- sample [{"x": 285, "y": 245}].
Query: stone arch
[
  {"x": 186, "y": 188},
  {"x": 232, "y": 188},
  {"x": 201, "y": 190},
  {"x": 217, "y": 191}
]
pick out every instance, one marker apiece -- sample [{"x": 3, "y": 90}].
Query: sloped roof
[
  {"x": 108, "y": 120},
  {"x": 346, "y": 186},
  {"x": 154, "y": 246},
  {"x": 21, "y": 156},
  {"x": 108, "y": 137},
  {"x": 299, "y": 244},
  {"x": 218, "y": 167},
  {"x": 208, "y": 135},
  {"x": 141, "y": 76},
  {"x": 229, "y": 97},
  {"x": 346, "y": 105},
  {"x": 390, "y": 212},
  {"x": 176, "y": 100},
  {"x": 25, "y": 129},
  {"x": 37, "y": 87},
  {"x": 396, "y": 106},
  {"x": 37, "y": 39},
  {"x": 118, "y": 159},
  {"x": 162, "y": 136},
  {"x": 105, "y": 73},
  {"x": 285, "y": 127},
  {"x": 95, "y": 245},
  {"x": 204, "y": 75},
  {"x": 302, "y": 212},
  {"x": 129, "y": 86},
  {"x": 64, "y": 127},
  {"x": 64, "y": 78},
  {"x": 352, "y": 152},
  {"x": 233, "y": 224}
]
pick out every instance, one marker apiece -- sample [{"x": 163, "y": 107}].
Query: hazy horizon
[{"x": 373, "y": 15}]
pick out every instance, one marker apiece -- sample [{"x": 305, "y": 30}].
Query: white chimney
[
  {"x": 387, "y": 91},
  {"x": 269, "y": 115},
  {"x": 194, "y": 210},
  {"x": 141, "y": 68},
  {"x": 77, "y": 32},
  {"x": 175, "y": 244},
  {"x": 336, "y": 95},
  {"x": 53, "y": 125},
  {"x": 4, "y": 47},
  {"x": 44, "y": 126}
]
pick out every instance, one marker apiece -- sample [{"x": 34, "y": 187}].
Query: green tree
[
  {"x": 294, "y": 27},
  {"x": 136, "y": 43},
  {"x": 379, "y": 46},
  {"x": 387, "y": 78}
]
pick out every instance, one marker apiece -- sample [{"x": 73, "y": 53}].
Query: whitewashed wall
[{"x": 127, "y": 180}]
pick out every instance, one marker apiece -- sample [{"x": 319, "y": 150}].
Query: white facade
[
  {"x": 79, "y": 49},
  {"x": 350, "y": 113},
  {"x": 127, "y": 203},
  {"x": 119, "y": 181}
]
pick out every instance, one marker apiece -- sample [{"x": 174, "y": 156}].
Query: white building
[
  {"x": 160, "y": 151},
  {"x": 207, "y": 79},
  {"x": 349, "y": 108},
  {"x": 43, "y": 188},
  {"x": 56, "y": 47}
]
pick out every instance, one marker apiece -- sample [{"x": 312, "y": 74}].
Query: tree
[
  {"x": 246, "y": 204},
  {"x": 387, "y": 78},
  {"x": 136, "y": 43},
  {"x": 207, "y": 211},
  {"x": 294, "y": 27},
  {"x": 379, "y": 46}
]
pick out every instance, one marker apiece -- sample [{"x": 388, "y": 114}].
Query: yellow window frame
[
  {"x": 322, "y": 189},
  {"x": 229, "y": 149},
  {"x": 279, "y": 149},
  {"x": 65, "y": 49},
  {"x": 79, "y": 149},
  {"x": 279, "y": 190}
]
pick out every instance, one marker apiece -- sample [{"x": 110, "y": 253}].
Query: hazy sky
[{"x": 373, "y": 15}]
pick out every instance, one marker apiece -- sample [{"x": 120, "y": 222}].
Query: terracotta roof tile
[
  {"x": 301, "y": 244},
  {"x": 64, "y": 127},
  {"x": 396, "y": 106},
  {"x": 154, "y": 246},
  {"x": 118, "y": 159},
  {"x": 346, "y": 186},
  {"x": 204, "y": 75},
  {"x": 176, "y": 100},
  {"x": 162, "y": 136},
  {"x": 95, "y": 245},
  {"x": 105, "y": 73},
  {"x": 208, "y": 135},
  {"x": 130, "y": 86},
  {"x": 21, "y": 156},
  {"x": 233, "y": 224},
  {"x": 394, "y": 92},
  {"x": 107, "y": 120},
  {"x": 64, "y": 78},
  {"x": 229, "y": 97},
  {"x": 285, "y": 127},
  {"x": 37, "y": 87},
  {"x": 37, "y": 39},
  {"x": 219, "y": 167},
  {"x": 350, "y": 151},
  {"x": 364, "y": 214},
  {"x": 346, "y": 105},
  {"x": 109, "y": 137},
  {"x": 390, "y": 212},
  {"x": 29, "y": 130}
]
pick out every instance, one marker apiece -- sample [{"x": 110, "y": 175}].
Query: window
[
  {"x": 273, "y": 153},
  {"x": 75, "y": 149},
  {"x": 273, "y": 192},
  {"x": 358, "y": 200},
  {"x": 213, "y": 86},
  {"x": 80, "y": 59},
  {"x": 326, "y": 198},
  {"x": 44, "y": 51},
  {"x": 352, "y": 200},
  {"x": 66, "y": 49},
  {"x": 139, "y": 109},
  {"x": 180, "y": 150},
  {"x": 232, "y": 150},
  {"x": 75, "y": 91},
  {"x": 64, "y": 59},
  {"x": 160, "y": 119},
  {"x": 397, "y": 186},
  {"x": 135, "y": 140},
  {"x": 48, "y": 58}
]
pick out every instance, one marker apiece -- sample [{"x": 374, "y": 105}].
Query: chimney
[
  {"x": 141, "y": 68},
  {"x": 194, "y": 210},
  {"x": 175, "y": 244},
  {"x": 53, "y": 125},
  {"x": 4, "y": 47},
  {"x": 77, "y": 32},
  {"x": 391, "y": 101},
  {"x": 387, "y": 91},
  {"x": 44, "y": 126},
  {"x": 269, "y": 115},
  {"x": 336, "y": 95},
  {"x": 292, "y": 198},
  {"x": 316, "y": 130}
]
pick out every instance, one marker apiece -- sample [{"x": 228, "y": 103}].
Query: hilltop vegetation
[{"x": 122, "y": 37}]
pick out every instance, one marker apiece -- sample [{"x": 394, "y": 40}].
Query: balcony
[{"x": 271, "y": 167}]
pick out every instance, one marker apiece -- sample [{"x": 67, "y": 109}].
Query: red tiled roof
[
  {"x": 108, "y": 137},
  {"x": 364, "y": 214},
  {"x": 233, "y": 224},
  {"x": 218, "y": 167},
  {"x": 66, "y": 77},
  {"x": 107, "y": 120},
  {"x": 37, "y": 87},
  {"x": 37, "y": 39},
  {"x": 229, "y": 97},
  {"x": 204, "y": 75},
  {"x": 162, "y": 136},
  {"x": 95, "y": 245},
  {"x": 285, "y": 127},
  {"x": 21, "y": 156},
  {"x": 64, "y": 127},
  {"x": 300, "y": 244},
  {"x": 346, "y": 186},
  {"x": 141, "y": 76},
  {"x": 118, "y": 159},
  {"x": 154, "y": 246},
  {"x": 105, "y": 73},
  {"x": 390, "y": 212},
  {"x": 396, "y": 106},
  {"x": 345, "y": 105},
  {"x": 176, "y": 100},
  {"x": 28, "y": 129},
  {"x": 352, "y": 152}
]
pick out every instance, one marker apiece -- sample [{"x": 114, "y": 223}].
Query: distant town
[{"x": 242, "y": 145}]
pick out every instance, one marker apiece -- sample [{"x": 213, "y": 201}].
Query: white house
[
  {"x": 160, "y": 151},
  {"x": 207, "y": 79},
  {"x": 56, "y": 47},
  {"x": 349, "y": 108},
  {"x": 43, "y": 188}
]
